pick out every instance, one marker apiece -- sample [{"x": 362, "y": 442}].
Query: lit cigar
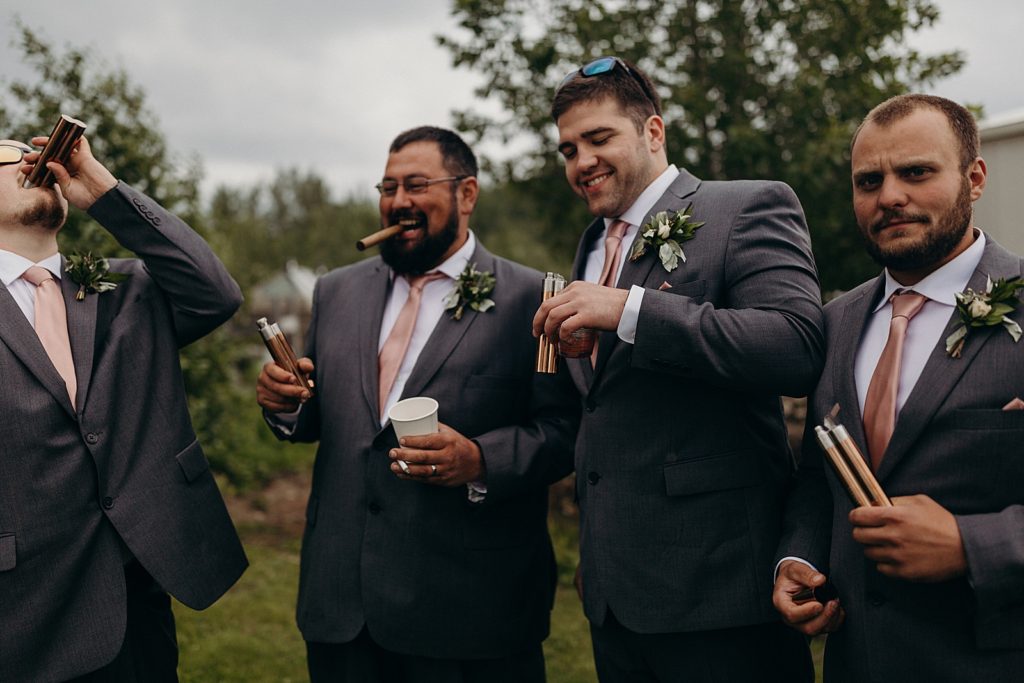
[
  {"x": 857, "y": 463},
  {"x": 379, "y": 236},
  {"x": 58, "y": 148},
  {"x": 282, "y": 353},
  {"x": 851, "y": 482},
  {"x": 547, "y": 352}
]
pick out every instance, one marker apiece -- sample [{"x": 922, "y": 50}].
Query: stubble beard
[
  {"x": 47, "y": 213},
  {"x": 945, "y": 233}
]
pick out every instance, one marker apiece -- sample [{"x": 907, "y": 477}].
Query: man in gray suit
[
  {"x": 933, "y": 588},
  {"x": 427, "y": 560},
  {"x": 682, "y": 458},
  {"x": 106, "y": 499}
]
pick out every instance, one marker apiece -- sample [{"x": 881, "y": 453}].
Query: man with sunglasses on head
[
  {"x": 107, "y": 503},
  {"x": 429, "y": 559},
  {"x": 682, "y": 458}
]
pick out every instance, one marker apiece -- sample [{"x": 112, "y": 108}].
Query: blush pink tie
[
  {"x": 880, "y": 402},
  {"x": 393, "y": 352},
  {"x": 610, "y": 270},
  {"x": 52, "y": 324}
]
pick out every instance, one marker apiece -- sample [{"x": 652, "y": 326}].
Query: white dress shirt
[
  {"x": 634, "y": 215},
  {"x": 924, "y": 330},
  {"x": 12, "y": 266}
]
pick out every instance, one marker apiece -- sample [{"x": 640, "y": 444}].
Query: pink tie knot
[
  {"x": 37, "y": 275},
  {"x": 907, "y": 304}
]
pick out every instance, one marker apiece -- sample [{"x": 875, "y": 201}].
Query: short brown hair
[
  {"x": 457, "y": 157},
  {"x": 961, "y": 121},
  {"x": 629, "y": 86}
]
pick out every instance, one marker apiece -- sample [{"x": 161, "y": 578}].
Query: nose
[
  {"x": 402, "y": 198},
  {"x": 892, "y": 194}
]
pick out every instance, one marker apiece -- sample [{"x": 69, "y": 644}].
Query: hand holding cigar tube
[
  {"x": 378, "y": 237},
  {"x": 547, "y": 351},
  {"x": 282, "y": 353},
  {"x": 58, "y": 148}
]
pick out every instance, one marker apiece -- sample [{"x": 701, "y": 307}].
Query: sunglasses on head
[
  {"x": 604, "y": 65},
  {"x": 13, "y": 153}
]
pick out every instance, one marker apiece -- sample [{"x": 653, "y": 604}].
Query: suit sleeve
[
  {"x": 766, "y": 335},
  {"x": 198, "y": 288},
  {"x": 539, "y": 450},
  {"x": 994, "y": 546}
]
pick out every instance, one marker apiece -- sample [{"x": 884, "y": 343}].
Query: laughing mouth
[{"x": 591, "y": 182}]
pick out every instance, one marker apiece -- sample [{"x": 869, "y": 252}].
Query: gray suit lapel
[
  {"x": 941, "y": 373},
  {"x": 21, "y": 339},
  {"x": 580, "y": 370},
  {"x": 637, "y": 272},
  {"x": 368, "y": 324},
  {"x": 447, "y": 334},
  {"x": 854, "y": 317},
  {"x": 82, "y": 333}
]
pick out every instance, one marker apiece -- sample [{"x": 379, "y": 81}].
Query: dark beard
[
  {"x": 938, "y": 242},
  {"x": 425, "y": 255},
  {"x": 48, "y": 213}
]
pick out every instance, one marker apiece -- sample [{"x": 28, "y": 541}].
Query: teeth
[
  {"x": 594, "y": 181},
  {"x": 408, "y": 222}
]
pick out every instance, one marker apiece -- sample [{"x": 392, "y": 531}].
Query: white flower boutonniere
[
  {"x": 92, "y": 274},
  {"x": 666, "y": 232},
  {"x": 985, "y": 309},
  {"x": 472, "y": 288}
]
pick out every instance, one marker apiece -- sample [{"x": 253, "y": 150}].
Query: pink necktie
[
  {"x": 393, "y": 352},
  {"x": 880, "y": 402},
  {"x": 612, "y": 253},
  {"x": 52, "y": 324}
]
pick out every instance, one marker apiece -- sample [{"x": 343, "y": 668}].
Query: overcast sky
[{"x": 254, "y": 87}]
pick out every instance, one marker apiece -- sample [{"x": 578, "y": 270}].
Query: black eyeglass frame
[
  {"x": 605, "y": 65},
  {"x": 418, "y": 188}
]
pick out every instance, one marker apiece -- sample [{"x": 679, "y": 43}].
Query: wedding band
[{"x": 433, "y": 470}]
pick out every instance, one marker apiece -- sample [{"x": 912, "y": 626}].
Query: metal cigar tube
[
  {"x": 282, "y": 353},
  {"x": 58, "y": 148},
  {"x": 859, "y": 465},
  {"x": 547, "y": 352},
  {"x": 851, "y": 482}
]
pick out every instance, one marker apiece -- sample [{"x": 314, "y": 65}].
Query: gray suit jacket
[
  {"x": 954, "y": 443},
  {"x": 682, "y": 457},
  {"x": 121, "y": 473},
  {"x": 427, "y": 572}
]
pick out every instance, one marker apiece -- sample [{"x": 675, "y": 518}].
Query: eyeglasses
[
  {"x": 603, "y": 65},
  {"x": 413, "y": 184},
  {"x": 11, "y": 153}
]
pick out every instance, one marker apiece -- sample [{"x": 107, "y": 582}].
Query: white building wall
[{"x": 1000, "y": 211}]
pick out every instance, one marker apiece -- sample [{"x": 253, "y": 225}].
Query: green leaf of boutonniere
[
  {"x": 91, "y": 274},
  {"x": 472, "y": 288},
  {"x": 985, "y": 309},
  {"x": 666, "y": 232}
]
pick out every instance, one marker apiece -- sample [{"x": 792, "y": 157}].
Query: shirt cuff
[
  {"x": 795, "y": 559},
  {"x": 477, "y": 491},
  {"x": 284, "y": 422},
  {"x": 630, "y": 314}
]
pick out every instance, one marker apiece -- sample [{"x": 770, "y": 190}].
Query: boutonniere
[
  {"x": 985, "y": 309},
  {"x": 666, "y": 232},
  {"x": 92, "y": 274},
  {"x": 472, "y": 288}
]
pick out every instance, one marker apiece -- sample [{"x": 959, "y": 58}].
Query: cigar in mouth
[
  {"x": 58, "y": 148},
  {"x": 379, "y": 236}
]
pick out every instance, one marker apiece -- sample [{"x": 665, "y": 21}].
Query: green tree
[{"x": 753, "y": 89}]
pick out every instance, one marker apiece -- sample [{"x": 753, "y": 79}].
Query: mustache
[{"x": 891, "y": 216}]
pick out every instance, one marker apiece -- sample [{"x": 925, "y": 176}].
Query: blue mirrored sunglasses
[
  {"x": 603, "y": 65},
  {"x": 12, "y": 153}
]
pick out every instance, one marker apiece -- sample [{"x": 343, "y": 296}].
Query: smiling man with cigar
[
  {"x": 427, "y": 560},
  {"x": 107, "y": 503}
]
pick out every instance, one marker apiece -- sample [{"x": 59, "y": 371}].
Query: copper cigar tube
[
  {"x": 58, "y": 148},
  {"x": 547, "y": 351},
  {"x": 851, "y": 482},
  {"x": 859, "y": 465},
  {"x": 282, "y": 353},
  {"x": 378, "y": 237}
]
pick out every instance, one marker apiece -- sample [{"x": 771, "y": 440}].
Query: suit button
[
  {"x": 156, "y": 220},
  {"x": 875, "y": 599},
  {"x": 107, "y": 502},
  {"x": 590, "y": 406},
  {"x": 92, "y": 438},
  {"x": 593, "y": 477},
  {"x": 374, "y": 509}
]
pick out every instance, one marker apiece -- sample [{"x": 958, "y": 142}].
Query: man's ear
[
  {"x": 467, "y": 194},
  {"x": 654, "y": 130},
  {"x": 977, "y": 175}
]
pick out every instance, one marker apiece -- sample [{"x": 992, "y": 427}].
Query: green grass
[{"x": 249, "y": 636}]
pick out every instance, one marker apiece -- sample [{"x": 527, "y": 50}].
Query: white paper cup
[{"x": 414, "y": 416}]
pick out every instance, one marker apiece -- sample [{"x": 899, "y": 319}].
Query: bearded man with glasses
[
  {"x": 107, "y": 503},
  {"x": 705, "y": 315},
  {"x": 429, "y": 559}
]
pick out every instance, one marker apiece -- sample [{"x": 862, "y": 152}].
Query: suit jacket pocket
[
  {"x": 987, "y": 418},
  {"x": 192, "y": 461},
  {"x": 8, "y": 552},
  {"x": 693, "y": 289},
  {"x": 733, "y": 470}
]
